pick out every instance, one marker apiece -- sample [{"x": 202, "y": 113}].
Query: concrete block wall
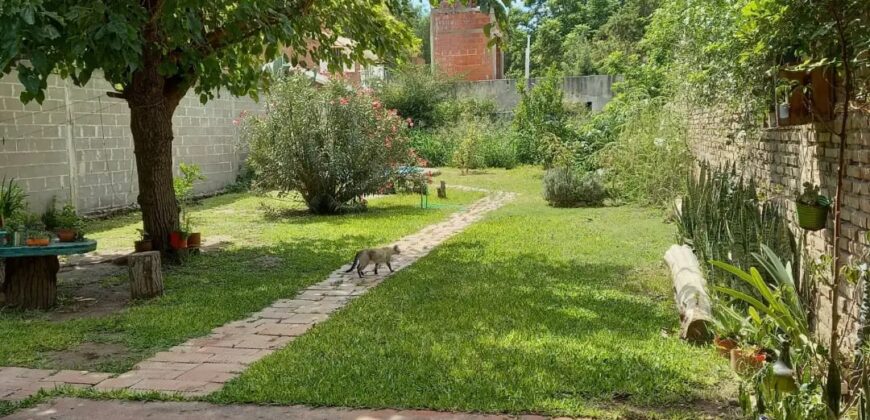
[
  {"x": 781, "y": 160},
  {"x": 77, "y": 145},
  {"x": 593, "y": 91}
]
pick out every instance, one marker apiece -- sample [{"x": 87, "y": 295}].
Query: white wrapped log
[{"x": 690, "y": 292}]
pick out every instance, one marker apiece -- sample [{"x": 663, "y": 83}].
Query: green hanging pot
[{"x": 812, "y": 217}]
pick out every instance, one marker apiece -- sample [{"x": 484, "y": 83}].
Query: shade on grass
[
  {"x": 219, "y": 287},
  {"x": 534, "y": 309}
]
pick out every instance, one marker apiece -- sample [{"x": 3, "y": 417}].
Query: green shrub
[
  {"x": 454, "y": 110},
  {"x": 332, "y": 145},
  {"x": 470, "y": 136},
  {"x": 416, "y": 93},
  {"x": 499, "y": 149},
  {"x": 541, "y": 111},
  {"x": 647, "y": 162},
  {"x": 564, "y": 187},
  {"x": 437, "y": 150}
]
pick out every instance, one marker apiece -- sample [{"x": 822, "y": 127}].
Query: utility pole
[{"x": 528, "y": 61}]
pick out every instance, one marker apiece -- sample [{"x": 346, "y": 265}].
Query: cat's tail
[{"x": 355, "y": 262}]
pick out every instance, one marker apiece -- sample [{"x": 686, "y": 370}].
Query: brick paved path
[
  {"x": 81, "y": 409},
  {"x": 201, "y": 366}
]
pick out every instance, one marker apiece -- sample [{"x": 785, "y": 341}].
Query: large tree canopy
[
  {"x": 204, "y": 44},
  {"x": 155, "y": 51}
]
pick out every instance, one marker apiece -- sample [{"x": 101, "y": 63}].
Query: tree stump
[
  {"x": 31, "y": 282},
  {"x": 690, "y": 291},
  {"x": 442, "y": 190},
  {"x": 146, "y": 277}
]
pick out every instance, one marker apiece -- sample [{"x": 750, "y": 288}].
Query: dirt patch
[
  {"x": 87, "y": 356},
  {"x": 89, "y": 291}
]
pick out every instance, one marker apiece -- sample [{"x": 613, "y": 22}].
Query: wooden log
[
  {"x": 146, "y": 277},
  {"x": 31, "y": 282},
  {"x": 442, "y": 190},
  {"x": 690, "y": 292}
]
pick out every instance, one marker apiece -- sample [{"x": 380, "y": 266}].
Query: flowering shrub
[{"x": 332, "y": 145}]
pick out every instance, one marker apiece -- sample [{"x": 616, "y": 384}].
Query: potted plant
[
  {"x": 183, "y": 187},
  {"x": 727, "y": 326},
  {"x": 38, "y": 238},
  {"x": 68, "y": 224},
  {"x": 178, "y": 239},
  {"x": 812, "y": 208},
  {"x": 144, "y": 243},
  {"x": 194, "y": 239}
]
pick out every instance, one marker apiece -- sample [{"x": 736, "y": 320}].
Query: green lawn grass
[
  {"x": 220, "y": 286},
  {"x": 534, "y": 309}
]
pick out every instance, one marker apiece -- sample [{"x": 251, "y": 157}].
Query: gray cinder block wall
[
  {"x": 593, "y": 91},
  {"x": 77, "y": 145}
]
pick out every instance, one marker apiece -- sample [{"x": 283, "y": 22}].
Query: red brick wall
[
  {"x": 781, "y": 160},
  {"x": 459, "y": 46}
]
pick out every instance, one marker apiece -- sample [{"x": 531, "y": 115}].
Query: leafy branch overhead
[{"x": 202, "y": 44}]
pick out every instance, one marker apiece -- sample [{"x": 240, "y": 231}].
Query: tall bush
[
  {"x": 541, "y": 111},
  {"x": 332, "y": 145},
  {"x": 647, "y": 161},
  {"x": 415, "y": 92}
]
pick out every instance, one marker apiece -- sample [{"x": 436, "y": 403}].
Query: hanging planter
[{"x": 812, "y": 208}]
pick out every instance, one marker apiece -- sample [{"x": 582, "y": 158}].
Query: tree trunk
[
  {"x": 31, "y": 282},
  {"x": 146, "y": 278},
  {"x": 152, "y": 103}
]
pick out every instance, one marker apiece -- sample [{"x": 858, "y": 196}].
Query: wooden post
[
  {"x": 31, "y": 282},
  {"x": 690, "y": 290},
  {"x": 442, "y": 190},
  {"x": 146, "y": 277}
]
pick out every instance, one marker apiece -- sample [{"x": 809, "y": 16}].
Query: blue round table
[{"x": 31, "y": 272}]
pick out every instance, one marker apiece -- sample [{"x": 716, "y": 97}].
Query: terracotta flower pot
[
  {"x": 38, "y": 242},
  {"x": 144, "y": 245},
  {"x": 194, "y": 240},
  {"x": 66, "y": 235},
  {"x": 177, "y": 240},
  {"x": 724, "y": 346}
]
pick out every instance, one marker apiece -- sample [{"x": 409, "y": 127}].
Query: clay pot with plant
[
  {"x": 812, "y": 208},
  {"x": 194, "y": 239},
  {"x": 144, "y": 244},
  {"x": 68, "y": 224},
  {"x": 178, "y": 239},
  {"x": 38, "y": 238},
  {"x": 727, "y": 327}
]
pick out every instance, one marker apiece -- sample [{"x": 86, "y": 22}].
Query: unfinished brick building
[{"x": 459, "y": 46}]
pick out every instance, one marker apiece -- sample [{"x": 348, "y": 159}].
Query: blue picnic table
[{"x": 31, "y": 272}]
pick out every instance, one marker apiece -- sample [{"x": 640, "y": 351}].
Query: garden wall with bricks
[
  {"x": 77, "y": 144},
  {"x": 781, "y": 160}
]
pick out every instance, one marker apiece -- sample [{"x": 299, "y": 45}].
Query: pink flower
[
  {"x": 376, "y": 104},
  {"x": 410, "y": 122},
  {"x": 236, "y": 122},
  {"x": 343, "y": 101}
]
